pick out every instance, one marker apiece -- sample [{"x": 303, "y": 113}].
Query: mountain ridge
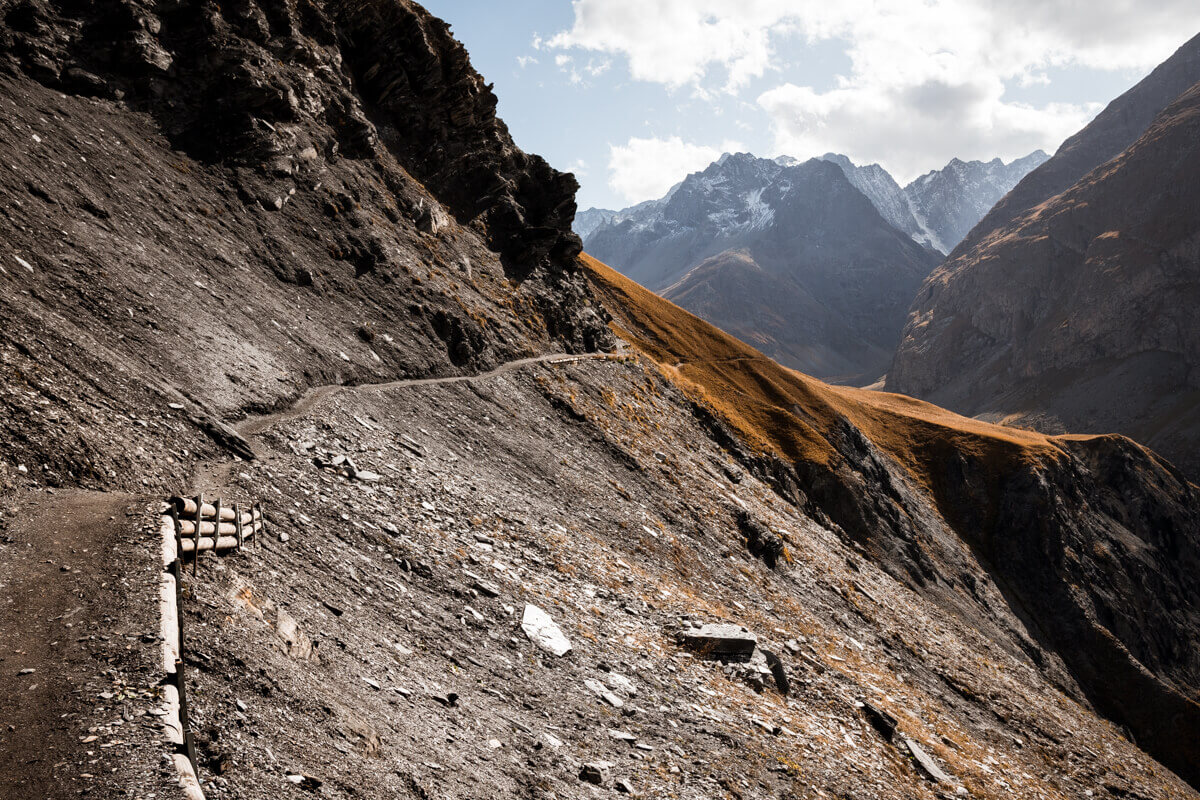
[
  {"x": 1115, "y": 128},
  {"x": 808, "y": 236},
  {"x": 1086, "y": 294},
  {"x": 955, "y": 197}
]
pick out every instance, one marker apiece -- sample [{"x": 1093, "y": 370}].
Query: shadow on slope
[{"x": 1091, "y": 539}]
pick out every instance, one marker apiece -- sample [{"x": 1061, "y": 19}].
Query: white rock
[
  {"x": 619, "y": 683},
  {"x": 542, "y": 631}
]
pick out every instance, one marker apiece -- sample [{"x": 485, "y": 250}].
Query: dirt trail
[
  {"x": 314, "y": 397},
  {"x": 214, "y": 476},
  {"x": 60, "y": 570}
]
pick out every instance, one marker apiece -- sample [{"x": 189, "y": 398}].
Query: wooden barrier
[
  {"x": 188, "y": 527},
  {"x": 214, "y": 526}
]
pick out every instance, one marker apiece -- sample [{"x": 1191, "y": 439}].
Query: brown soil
[{"x": 78, "y": 606}]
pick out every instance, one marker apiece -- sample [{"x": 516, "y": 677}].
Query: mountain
[
  {"x": 1115, "y": 128},
  {"x": 793, "y": 259},
  {"x": 818, "y": 285},
  {"x": 590, "y": 219},
  {"x": 950, "y": 201},
  {"x": 658, "y": 241},
  {"x": 1079, "y": 314},
  {"x": 279, "y": 253},
  {"x": 1048, "y": 519},
  {"x": 885, "y": 194}
]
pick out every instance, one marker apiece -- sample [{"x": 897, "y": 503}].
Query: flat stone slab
[
  {"x": 926, "y": 762},
  {"x": 721, "y": 641},
  {"x": 542, "y": 631}
]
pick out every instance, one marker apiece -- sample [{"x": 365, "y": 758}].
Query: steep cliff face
[
  {"x": 951, "y": 200},
  {"x": 1078, "y": 315},
  {"x": 1115, "y": 128},
  {"x": 276, "y": 86}
]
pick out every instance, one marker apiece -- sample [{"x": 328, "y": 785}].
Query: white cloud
[
  {"x": 927, "y": 80},
  {"x": 598, "y": 68},
  {"x": 675, "y": 41},
  {"x": 525, "y": 61},
  {"x": 644, "y": 169}
]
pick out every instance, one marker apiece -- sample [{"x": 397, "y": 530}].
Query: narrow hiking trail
[
  {"x": 78, "y": 609},
  {"x": 212, "y": 476},
  {"x": 76, "y": 606}
]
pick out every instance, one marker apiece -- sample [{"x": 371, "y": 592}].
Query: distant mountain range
[
  {"x": 937, "y": 209},
  {"x": 1072, "y": 305},
  {"x": 815, "y": 263},
  {"x": 941, "y": 206},
  {"x": 788, "y": 256}
]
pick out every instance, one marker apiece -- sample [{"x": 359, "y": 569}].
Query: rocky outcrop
[
  {"x": 439, "y": 116},
  {"x": 1079, "y": 315},
  {"x": 1115, "y": 128},
  {"x": 274, "y": 87},
  {"x": 949, "y": 201}
]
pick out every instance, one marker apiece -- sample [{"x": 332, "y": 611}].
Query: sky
[{"x": 632, "y": 95}]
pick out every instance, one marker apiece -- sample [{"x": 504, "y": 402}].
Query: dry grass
[{"x": 781, "y": 411}]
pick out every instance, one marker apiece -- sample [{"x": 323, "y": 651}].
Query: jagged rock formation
[
  {"x": 695, "y": 220},
  {"x": 885, "y": 194},
  {"x": 1115, "y": 128},
  {"x": 590, "y": 219},
  {"x": 793, "y": 259},
  {"x": 1079, "y": 314},
  {"x": 280, "y": 87},
  {"x": 949, "y": 202},
  {"x": 184, "y": 312}
]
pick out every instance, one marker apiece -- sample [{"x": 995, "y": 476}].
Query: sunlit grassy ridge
[{"x": 790, "y": 415}]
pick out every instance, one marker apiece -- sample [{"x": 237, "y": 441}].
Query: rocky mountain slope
[
  {"x": 366, "y": 311},
  {"x": 1115, "y": 128},
  {"x": 885, "y": 194},
  {"x": 948, "y": 202},
  {"x": 793, "y": 259},
  {"x": 1079, "y": 314},
  {"x": 936, "y": 209}
]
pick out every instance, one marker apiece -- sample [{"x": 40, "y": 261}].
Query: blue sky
[{"x": 630, "y": 95}]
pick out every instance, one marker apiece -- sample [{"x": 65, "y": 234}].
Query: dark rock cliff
[{"x": 274, "y": 85}]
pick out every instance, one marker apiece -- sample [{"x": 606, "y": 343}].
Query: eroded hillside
[{"x": 364, "y": 308}]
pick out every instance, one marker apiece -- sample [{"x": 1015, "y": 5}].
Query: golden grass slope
[{"x": 788, "y": 414}]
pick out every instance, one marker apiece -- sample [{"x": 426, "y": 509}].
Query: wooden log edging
[
  {"x": 215, "y": 526},
  {"x": 184, "y": 523},
  {"x": 175, "y": 720}
]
